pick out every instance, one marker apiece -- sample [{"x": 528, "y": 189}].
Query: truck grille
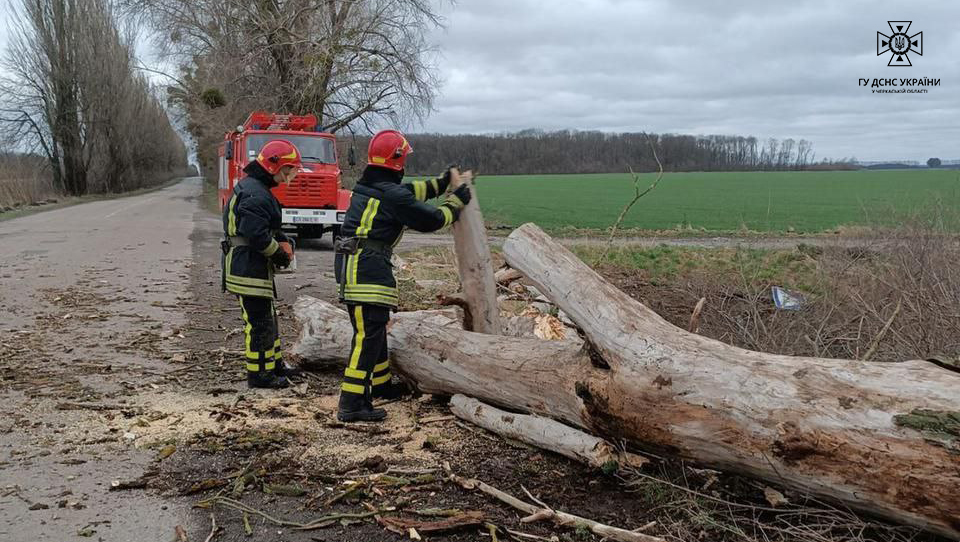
[{"x": 309, "y": 191}]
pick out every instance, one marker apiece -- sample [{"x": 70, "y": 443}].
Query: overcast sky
[
  {"x": 770, "y": 68},
  {"x": 764, "y": 68}
]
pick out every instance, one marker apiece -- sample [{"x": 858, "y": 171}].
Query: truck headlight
[{"x": 341, "y": 216}]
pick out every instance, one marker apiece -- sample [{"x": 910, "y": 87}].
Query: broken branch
[{"x": 560, "y": 518}]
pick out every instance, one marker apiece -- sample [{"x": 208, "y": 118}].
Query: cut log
[
  {"x": 431, "y": 349},
  {"x": 507, "y": 275},
  {"x": 544, "y": 433},
  {"x": 474, "y": 263},
  {"x": 877, "y": 437},
  {"x": 325, "y": 331}
]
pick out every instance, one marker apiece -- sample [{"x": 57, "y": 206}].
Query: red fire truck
[{"x": 314, "y": 202}]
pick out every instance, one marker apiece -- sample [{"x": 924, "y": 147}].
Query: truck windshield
[{"x": 313, "y": 148}]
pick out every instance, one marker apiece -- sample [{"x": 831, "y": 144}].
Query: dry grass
[
  {"x": 893, "y": 298},
  {"x": 23, "y": 181},
  {"x": 702, "y": 504}
]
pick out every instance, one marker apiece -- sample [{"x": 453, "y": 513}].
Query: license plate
[{"x": 306, "y": 219}]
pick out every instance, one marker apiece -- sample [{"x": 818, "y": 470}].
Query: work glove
[
  {"x": 287, "y": 246},
  {"x": 462, "y": 193},
  {"x": 280, "y": 258},
  {"x": 446, "y": 173},
  {"x": 444, "y": 180}
]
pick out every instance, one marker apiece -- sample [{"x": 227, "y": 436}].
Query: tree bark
[
  {"x": 878, "y": 437},
  {"x": 475, "y": 266},
  {"x": 838, "y": 429},
  {"x": 544, "y": 433}
]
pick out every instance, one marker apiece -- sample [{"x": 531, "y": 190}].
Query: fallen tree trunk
[
  {"x": 849, "y": 431},
  {"x": 881, "y": 438}
]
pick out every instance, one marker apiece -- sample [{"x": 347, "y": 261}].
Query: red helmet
[
  {"x": 388, "y": 149},
  {"x": 278, "y": 153}
]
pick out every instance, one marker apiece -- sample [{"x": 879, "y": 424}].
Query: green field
[{"x": 805, "y": 201}]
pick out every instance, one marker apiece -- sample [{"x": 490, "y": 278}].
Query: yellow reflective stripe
[
  {"x": 381, "y": 366},
  {"x": 447, "y": 215},
  {"x": 360, "y": 336},
  {"x": 271, "y": 248},
  {"x": 374, "y": 298},
  {"x": 420, "y": 190},
  {"x": 270, "y": 365},
  {"x": 381, "y": 380},
  {"x": 376, "y": 207},
  {"x": 250, "y": 281},
  {"x": 378, "y": 160},
  {"x": 435, "y": 183},
  {"x": 371, "y": 298},
  {"x": 255, "y": 367},
  {"x": 353, "y": 373},
  {"x": 366, "y": 220},
  {"x": 352, "y": 388},
  {"x": 249, "y": 290},
  {"x": 455, "y": 200},
  {"x": 370, "y": 293},
  {"x": 374, "y": 287},
  {"x": 248, "y": 328},
  {"x": 256, "y": 355},
  {"x": 356, "y": 265},
  {"x": 232, "y": 217},
  {"x": 363, "y": 217}
]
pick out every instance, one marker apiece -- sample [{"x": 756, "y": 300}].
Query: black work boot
[
  {"x": 283, "y": 370},
  {"x": 265, "y": 379},
  {"x": 394, "y": 389},
  {"x": 358, "y": 408}
]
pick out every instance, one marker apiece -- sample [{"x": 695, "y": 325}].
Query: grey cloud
[{"x": 770, "y": 69}]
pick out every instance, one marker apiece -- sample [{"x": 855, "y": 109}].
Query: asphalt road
[{"x": 77, "y": 284}]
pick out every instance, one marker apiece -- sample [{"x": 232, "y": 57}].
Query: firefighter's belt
[{"x": 374, "y": 245}]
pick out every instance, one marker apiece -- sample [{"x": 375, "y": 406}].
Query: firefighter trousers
[
  {"x": 261, "y": 337},
  {"x": 368, "y": 367}
]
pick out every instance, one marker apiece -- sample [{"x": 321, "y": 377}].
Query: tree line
[
  {"x": 72, "y": 93},
  {"x": 541, "y": 152}
]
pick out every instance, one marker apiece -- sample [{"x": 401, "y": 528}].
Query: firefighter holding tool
[
  {"x": 254, "y": 248},
  {"x": 381, "y": 207}
]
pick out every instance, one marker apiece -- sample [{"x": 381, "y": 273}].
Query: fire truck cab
[{"x": 314, "y": 202}]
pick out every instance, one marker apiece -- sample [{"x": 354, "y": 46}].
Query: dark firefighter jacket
[
  {"x": 251, "y": 223},
  {"x": 380, "y": 208}
]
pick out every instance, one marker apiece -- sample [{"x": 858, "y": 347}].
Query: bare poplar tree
[{"x": 72, "y": 94}]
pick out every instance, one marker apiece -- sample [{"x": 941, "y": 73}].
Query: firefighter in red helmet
[
  {"x": 380, "y": 209},
  {"x": 253, "y": 249}
]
